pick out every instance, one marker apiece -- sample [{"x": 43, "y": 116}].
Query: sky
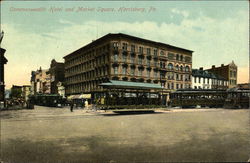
[{"x": 37, "y": 32}]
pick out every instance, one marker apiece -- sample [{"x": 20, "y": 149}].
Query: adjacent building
[
  {"x": 203, "y": 79},
  {"x": 56, "y": 72},
  {"x": 16, "y": 92},
  {"x": 228, "y": 72},
  {"x": 40, "y": 81},
  {"x": 3, "y": 61},
  {"x": 26, "y": 90},
  {"x": 126, "y": 58}
]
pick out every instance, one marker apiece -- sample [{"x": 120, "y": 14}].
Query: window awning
[{"x": 132, "y": 85}]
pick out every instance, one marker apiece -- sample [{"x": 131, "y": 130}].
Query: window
[
  {"x": 187, "y": 59},
  {"x": 155, "y": 74},
  {"x": 207, "y": 80},
  {"x": 115, "y": 70},
  {"x": 155, "y": 52},
  {"x": 162, "y": 76},
  {"x": 181, "y": 68},
  {"x": 181, "y": 58},
  {"x": 140, "y": 60},
  {"x": 187, "y": 69},
  {"x": 155, "y": 63},
  {"x": 140, "y": 72},
  {"x": 177, "y": 67},
  {"x": 172, "y": 84},
  {"x": 124, "y": 46},
  {"x": 181, "y": 77},
  {"x": 115, "y": 57},
  {"x": 115, "y": 45},
  {"x": 177, "y": 56},
  {"x": 177, "y": 86},
  {"x": 148, "y": 73},
  {"x": 195, "y": 79},
  {"x": 170, "y": 66},
  {"x": 124, "y": 70},
  {"x": 148, "y": 62},
  {"x": 169, "y": 86},
  {"x": 162, "y": 65},
  {"x": 141, "y": 50},
  {"x": 170, "y": 56},
  {"x": 177, "y": 76},
  {"x": 124, "y": 58},
  {"x": 162, "y": 53},
  {"x": 148, "y": 51},
  {"x": 132, "y": 58},
  {"x": 132, "y": 72},
  {"x": 132, "y": 48}
]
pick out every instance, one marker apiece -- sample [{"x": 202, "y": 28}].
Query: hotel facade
[{"x": 126, "y": 58}]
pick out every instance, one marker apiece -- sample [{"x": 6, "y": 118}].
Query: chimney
[
  {"x": 201, "y": 68},
  {"x": 213, "y": 66},
  {"x": 222, "y": 65}
]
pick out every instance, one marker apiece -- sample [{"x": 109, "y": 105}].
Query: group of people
[{"x": 72, "y": 105}]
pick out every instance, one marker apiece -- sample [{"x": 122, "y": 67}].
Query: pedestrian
[{"x": 71, "y": 106}]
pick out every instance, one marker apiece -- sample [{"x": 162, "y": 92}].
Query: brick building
[
  {"x": 126, "y": 58},
  {"x": 40, "y": 81},
  {"x": 228, "y": 72},
  {"x": 56, "y": 72}
]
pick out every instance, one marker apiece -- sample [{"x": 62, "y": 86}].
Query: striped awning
[
  {"x": 79, "y": 96},
  {"x": 85, "y": 96}
]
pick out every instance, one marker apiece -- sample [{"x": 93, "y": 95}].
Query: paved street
[{"x": 58, "y": 135}]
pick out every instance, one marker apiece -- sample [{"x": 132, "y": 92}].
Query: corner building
[{"x": 126, "y": 58}]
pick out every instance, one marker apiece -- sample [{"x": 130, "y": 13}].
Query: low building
[
  {"x": 203, "y": 79},
  {"x": 16, "y": 92},
  {"x": 227, "y": 72}
]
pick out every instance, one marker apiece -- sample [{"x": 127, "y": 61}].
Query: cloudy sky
[{"x": 217, "y": 32}]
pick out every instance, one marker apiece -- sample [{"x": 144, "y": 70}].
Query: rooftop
[
  {"x": 205, "y": 74},
  {"x": 127, "y": 84},
  {"x": 121, "y": 35}
]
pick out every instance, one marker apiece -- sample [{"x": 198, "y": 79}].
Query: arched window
[
  {"x": 181, "y": 68},
  {"x": 187, "y": 69},
  {"x": 170, "y": 66},
  {"x": 177, "y": 67}
]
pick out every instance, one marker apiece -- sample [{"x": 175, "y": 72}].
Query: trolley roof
[{"x": 131, "y": 85}]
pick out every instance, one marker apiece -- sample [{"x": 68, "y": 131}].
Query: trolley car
[
  {"x": 50, "y": 100},
  {"x": 237, "y": 98},
  {"x": 193, "y": 97}
]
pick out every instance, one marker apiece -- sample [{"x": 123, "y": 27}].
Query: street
[{"x": 54, "y": 135}]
